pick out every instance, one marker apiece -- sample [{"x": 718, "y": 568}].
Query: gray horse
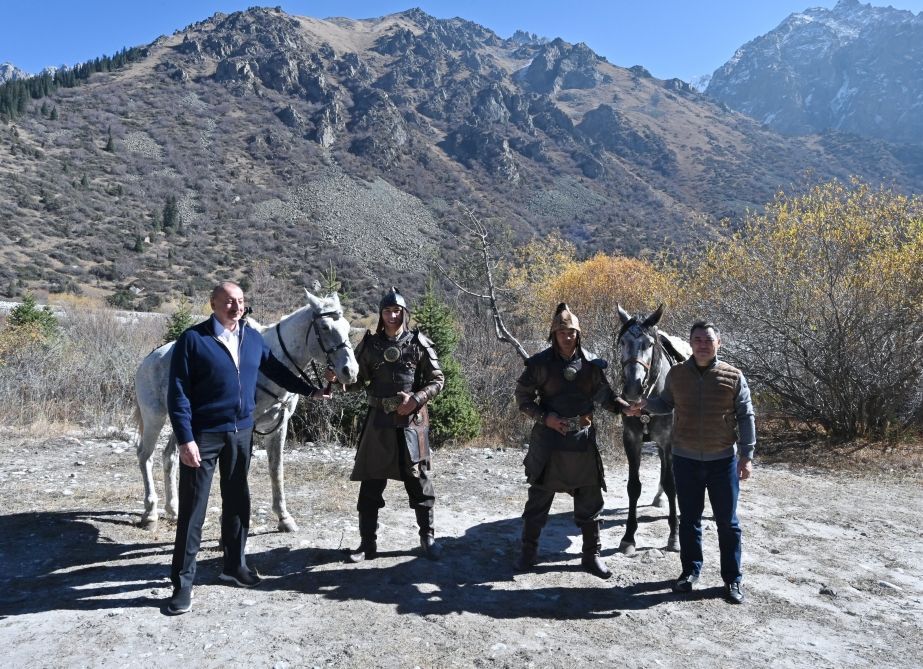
[
  {"x": 646, "y": 356},
  {"x": 317, "y": 332}
]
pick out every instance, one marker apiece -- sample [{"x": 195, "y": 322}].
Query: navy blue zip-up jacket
[{"x": 206, "y": 392}]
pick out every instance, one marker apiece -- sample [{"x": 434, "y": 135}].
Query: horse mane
[
  {"x": 255, "y": 324},
  {"x": 327, "y": 303},
  {"x": 675, "y": 347}
]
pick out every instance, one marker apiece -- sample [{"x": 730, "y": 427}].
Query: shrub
[
  {"x": 821, "y": 301},
  {"x": 594, "y": 287},
  {"x": 28, "y": 314}
]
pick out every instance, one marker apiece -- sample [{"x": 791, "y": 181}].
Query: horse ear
[
  {"x": 623, "y": 315},
  {"x": 654, "y": 318},
  {"x": 312, "y": 300}
]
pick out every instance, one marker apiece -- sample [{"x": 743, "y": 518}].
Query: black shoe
[
  {"x": 733, "y": 593},
  {"x": 241, "y": 576},
  {"x": 180, "y": 602},
  {"x": 431, "y": 549},
  {"x": 685, "y": 583}
]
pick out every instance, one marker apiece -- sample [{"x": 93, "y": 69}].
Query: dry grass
[
  {"x": 82, "y": 375},
  {"x": 782, "y": 441}
]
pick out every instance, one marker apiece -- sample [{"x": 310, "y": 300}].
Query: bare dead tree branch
[{"x": 476, "y": 228}]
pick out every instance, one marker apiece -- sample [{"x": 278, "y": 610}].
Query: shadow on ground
[
  {"x": 475, "y": 576},
  {"x": 60, "y": 561}
]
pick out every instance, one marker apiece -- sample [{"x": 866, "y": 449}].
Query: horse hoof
[
  {"x": 673, "y": 546},
  {"x": 288, "y": 524},
  {"x": 149, "y": 524},
  {"x": 626, "y": 548},
  {"x": 658, "y": 502}
]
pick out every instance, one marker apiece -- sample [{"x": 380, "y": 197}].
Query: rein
[{"x": 328, "y": 353}]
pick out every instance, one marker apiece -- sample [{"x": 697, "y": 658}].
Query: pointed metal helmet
[
  {"x": 392, "y": 298},
  {"x": 564, "y": 319}
]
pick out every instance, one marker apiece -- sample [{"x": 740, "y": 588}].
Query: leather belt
[
  {"x": 577, "y": 423},
  {"x": 386, "y": 404}
]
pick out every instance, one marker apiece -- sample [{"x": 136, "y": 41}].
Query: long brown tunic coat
[
  {"x": 556, "y": 462},
  {"x": 382, "y": 439}
]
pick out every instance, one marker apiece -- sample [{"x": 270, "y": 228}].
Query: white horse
[{"x": 291, "y": 341}]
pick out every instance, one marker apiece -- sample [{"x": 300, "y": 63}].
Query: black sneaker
[
  {"x": 242, "y": 577},
  {"x": 180, "y": 602},
  {"x": 733, "y": 593},
  {"x": 685, "y": 583}
]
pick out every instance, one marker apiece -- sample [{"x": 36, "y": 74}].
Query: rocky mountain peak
[
  {"x": 854, "y": 68},
  {"x": 9, "y": 72}
]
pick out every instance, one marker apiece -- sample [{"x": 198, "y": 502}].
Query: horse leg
[
  {"x": 658, "y": 498},
  {"x": 275, "y": 444},
  {"x": 147, "y": 442},
  {"x": 668, "y": 485},
  {"x": 171, "y": 479},
  {"x": 633, "y": 455}
]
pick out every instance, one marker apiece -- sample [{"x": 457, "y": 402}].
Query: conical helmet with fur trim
[{"x": 564, "y": 319}]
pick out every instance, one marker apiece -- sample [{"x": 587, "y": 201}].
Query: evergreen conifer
[
  {"x": 179, "y": 321},
  {"x": 453, "y": 415}
]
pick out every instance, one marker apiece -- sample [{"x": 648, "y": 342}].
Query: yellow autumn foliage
[{"x": 823, "y": 296}]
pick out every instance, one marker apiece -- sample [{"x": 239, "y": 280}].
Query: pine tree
[
  {"x": 28, "y": 314},
  {"x": 171, "y": 218},
  {"x": 453, "y": 415},
  {"x": 179, "y": 321},
  {"x": 54, "y": 113}
]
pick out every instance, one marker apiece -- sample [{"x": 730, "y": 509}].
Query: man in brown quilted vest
[{"x": 714, "y": 435}]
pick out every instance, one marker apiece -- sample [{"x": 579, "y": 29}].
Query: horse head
[
  {"x": 639, "y": 352},
  {"x": 330, "y": 343}
]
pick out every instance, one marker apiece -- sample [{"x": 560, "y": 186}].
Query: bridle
[
  {"x": 328, "y": 353},
  {"x": 646, "y": 383}
]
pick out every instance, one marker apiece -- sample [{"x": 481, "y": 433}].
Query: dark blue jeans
[{"x": 719, "y": 478}]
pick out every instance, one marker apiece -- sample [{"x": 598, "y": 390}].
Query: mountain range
[
  {"x": 9, "y": 72},
  {"x": 854, "y": 68},
  {"x": 261, "y": 143}
]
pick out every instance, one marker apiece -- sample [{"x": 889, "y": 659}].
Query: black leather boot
[
  {"x": 528, "y": 555},
  {"x": 431, "y": 549},
  {"x": 368, "y": 527},
  {"x": 592, "y": 545}
]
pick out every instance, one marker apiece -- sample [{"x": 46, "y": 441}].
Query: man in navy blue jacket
[{"x": 211, "y": 397}]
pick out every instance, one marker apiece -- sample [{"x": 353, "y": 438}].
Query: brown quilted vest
[{"x": 704, "y": 420}]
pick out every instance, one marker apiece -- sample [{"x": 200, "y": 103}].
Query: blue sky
[{"x": 671, "y": 38}]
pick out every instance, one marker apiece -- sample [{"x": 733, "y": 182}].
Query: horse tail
[{"x": 138, "y": 421}]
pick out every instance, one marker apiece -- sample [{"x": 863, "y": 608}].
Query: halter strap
[{"x": 656, "y": 353}]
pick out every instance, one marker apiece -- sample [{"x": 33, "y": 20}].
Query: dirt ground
[{"x": 833, "y": 573}]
